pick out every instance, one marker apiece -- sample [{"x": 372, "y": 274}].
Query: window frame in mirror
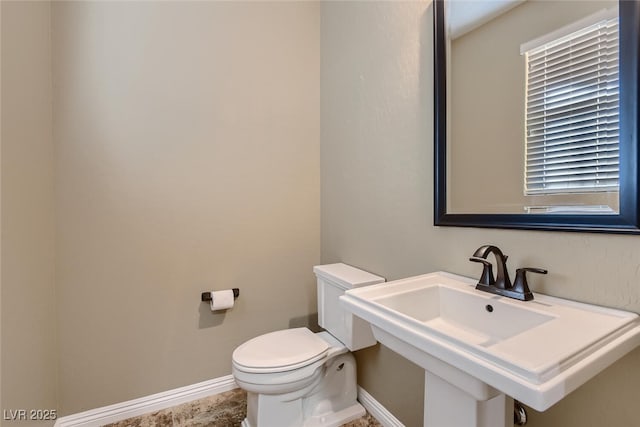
[{"x": 628, "y": 218}]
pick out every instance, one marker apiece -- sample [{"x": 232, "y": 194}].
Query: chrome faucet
[{"x": 501, "y": 284}]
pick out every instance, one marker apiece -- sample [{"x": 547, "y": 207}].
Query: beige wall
[
  {"x": 377, "y": 205},
  {"x": 187, "y": 158},
  {"x": 29, "y": 356},
  {"x": 487, "y": 93},
  {"x": 0, "y": 206}
]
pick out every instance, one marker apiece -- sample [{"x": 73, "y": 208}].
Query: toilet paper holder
[{"x": 206, "y": 296}]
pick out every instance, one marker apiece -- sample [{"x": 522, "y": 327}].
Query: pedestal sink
[{"x": 480, "y": 351}]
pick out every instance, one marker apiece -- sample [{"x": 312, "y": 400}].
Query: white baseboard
[
  {"x": 378, "y": 411},
  {"x": 156, "y": 402},
  {"x": 144, "y": 405}
]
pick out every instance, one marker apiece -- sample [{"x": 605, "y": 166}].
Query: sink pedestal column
[
  {"x": 446, "y": 405},
  {"x": 452, "y": 398}
]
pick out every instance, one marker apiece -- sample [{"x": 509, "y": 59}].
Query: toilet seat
[
  {"x": 280, "y": 351},
  {"x": 296, "y": 358}
]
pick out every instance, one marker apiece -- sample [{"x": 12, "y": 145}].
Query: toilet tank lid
[{"x": 346, "y": 276}]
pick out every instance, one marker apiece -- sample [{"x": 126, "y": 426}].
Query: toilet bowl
[{"x": 297, "y": 378}]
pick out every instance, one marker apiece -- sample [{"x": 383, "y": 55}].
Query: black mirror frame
[{"x": 628, "y": 219}]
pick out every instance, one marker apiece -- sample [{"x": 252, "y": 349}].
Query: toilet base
[
  {"x": 329, "y": 400},
  {"x": 335, "y": 419}
]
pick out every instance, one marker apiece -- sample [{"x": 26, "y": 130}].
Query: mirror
[{"x": 518, "y": 144}]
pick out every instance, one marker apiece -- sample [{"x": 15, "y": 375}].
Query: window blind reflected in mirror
[{"x": 572, "y": 99}]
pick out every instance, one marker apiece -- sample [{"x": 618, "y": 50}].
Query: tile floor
[{"x": 222, "y": 410}]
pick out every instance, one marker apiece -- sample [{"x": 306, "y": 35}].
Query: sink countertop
[{"x": 536, "y": 351}]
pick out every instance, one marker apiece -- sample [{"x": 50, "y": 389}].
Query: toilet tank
[{"x": 333, "y": 281}]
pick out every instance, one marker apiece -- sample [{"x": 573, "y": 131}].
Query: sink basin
[
  {"x": 462, "y": 314},
  {"x": 536, "y": 351}
]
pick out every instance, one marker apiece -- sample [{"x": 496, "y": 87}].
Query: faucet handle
[
  {"x": 487, "y": 271},
  {"x": 521, "y": 286}
]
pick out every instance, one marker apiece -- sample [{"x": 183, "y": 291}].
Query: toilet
[{"x": 297, "y": 378}]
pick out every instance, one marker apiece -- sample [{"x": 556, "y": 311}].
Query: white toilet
[{"x": 295, "y": 378}]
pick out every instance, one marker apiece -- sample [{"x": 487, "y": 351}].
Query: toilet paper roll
[{"x": 221, "y": 300}]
